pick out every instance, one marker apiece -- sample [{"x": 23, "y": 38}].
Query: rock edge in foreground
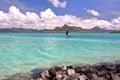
[{"x": 88, "y": 72}]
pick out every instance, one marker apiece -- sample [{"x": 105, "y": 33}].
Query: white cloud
[
  {"x": 93, "y": 12},
  {"x": 47, "y": 13},
  {"x": 57, "y": 3},
  {"x": 48, "y": 19},
  {"x": 116, "y": 23},
  {"x": 14, "y": 18}
]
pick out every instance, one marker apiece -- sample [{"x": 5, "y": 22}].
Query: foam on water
[{"x": 24, "y": 52}]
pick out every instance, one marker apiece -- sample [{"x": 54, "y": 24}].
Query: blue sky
[
  {"x": 83, "y": 9},
  {"x": 108, "y": 8}
]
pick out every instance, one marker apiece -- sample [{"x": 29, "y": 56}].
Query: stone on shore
[{"x": 96, "y": 72}]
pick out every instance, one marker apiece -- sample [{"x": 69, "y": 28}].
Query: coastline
[{"x": 102, "y": 71}]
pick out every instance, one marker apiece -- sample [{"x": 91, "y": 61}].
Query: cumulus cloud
[
  {"x": 93, "y": 12},
  {"x": 47, "y": 13},
  {"x": 14, "y": 18},
  {"x": 116, "y": 23},
  {"x": 57, "y": 3},
  {"x": 49, "y": 20}
]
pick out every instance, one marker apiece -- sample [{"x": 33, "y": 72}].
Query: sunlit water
[{"x": 24, "y": 52}]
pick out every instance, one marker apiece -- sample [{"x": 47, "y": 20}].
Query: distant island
[
  {"x": 116, "y": 31},
  {"x": 72, "y": 29}
]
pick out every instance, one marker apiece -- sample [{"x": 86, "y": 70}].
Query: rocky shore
[{"x": 88, "y": 72}]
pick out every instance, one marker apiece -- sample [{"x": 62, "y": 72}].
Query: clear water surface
[{"x": 24, "y": 52}]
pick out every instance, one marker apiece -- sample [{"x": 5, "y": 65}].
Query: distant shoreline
[{"x": 62, "y": 29}]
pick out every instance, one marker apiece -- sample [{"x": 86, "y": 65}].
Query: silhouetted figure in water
[{"x": 67, "y": 33}]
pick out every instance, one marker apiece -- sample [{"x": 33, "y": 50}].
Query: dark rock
[
  {"x": 69, "y": 67},
  {"x": 98, "y": 72},
  {"x": 64, "y": 70},
  {"x": 57, "y": 68},
  {"x": 107, "y": 76},
  {"x": 77, "y": 69},
  {"x": 89, "y": 76},
  {"x": 83, "y": 70},
  {"x": 117, "y": 65},
  {"x": 52, "y": 73},
  {"x": 74, "y": 77},
  {"x": 36, "y": 73},
  {"x": 118, "y": 70},
  {"x": 102, "y": 73}
]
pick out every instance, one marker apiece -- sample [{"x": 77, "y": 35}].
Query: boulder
[
  {"x": 115, "y": 76},
  {"x": 83, "y": 77},
  {"x": 59, "y": 75},
  {"x": 70, "y": 72},
  {"x": 45, "y": 74}
]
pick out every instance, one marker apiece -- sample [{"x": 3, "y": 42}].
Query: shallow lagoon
[{"x": 24, "y": 52}]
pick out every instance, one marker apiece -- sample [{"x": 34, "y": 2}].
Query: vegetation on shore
[{"x": 117, "y": 31}]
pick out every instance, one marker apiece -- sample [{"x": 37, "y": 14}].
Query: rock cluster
[{"x": 95, "y": 72}]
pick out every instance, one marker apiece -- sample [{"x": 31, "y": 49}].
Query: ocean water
[{"x": 24, "y": 52}]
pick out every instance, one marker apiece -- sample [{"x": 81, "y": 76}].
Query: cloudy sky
[{"x": 42, "y": 14}]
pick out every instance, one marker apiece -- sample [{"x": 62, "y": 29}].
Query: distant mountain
[
  {"x": 96, "y": 28},
  {"x": 17, "y": 30},
  {"x": 79, "y": 29},
  {"x": 72, "y": 29}
]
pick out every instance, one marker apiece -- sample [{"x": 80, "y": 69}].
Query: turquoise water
[{"x": 24, "y": 52}]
